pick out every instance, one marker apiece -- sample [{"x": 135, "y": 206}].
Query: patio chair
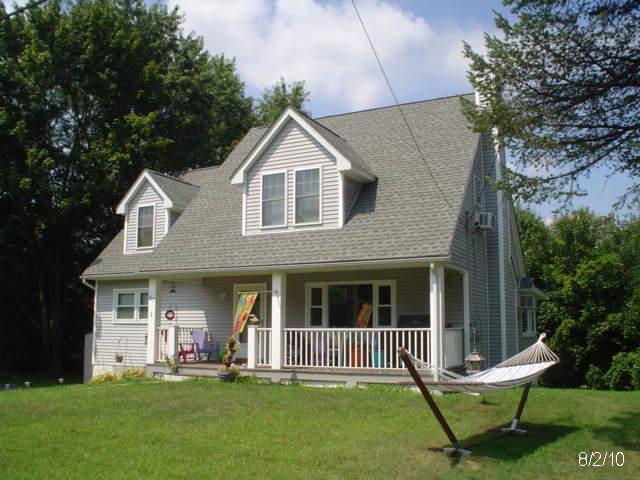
[
  {"x": 203, "y": 346},
  {"x": 185, "y": 349}
]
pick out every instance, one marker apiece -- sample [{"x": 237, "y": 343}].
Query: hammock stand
[{"x": 521, "y": 369}]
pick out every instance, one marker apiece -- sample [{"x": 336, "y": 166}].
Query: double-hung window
[
  {"x": 273, "y": 199},
  {"x": 145, "y": 226},
  {"x": 307, "y": 196},
  {"x": 528, "y": 315},
  {"x": 131, "y": 306}
]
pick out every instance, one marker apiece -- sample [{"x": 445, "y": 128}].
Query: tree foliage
[
  {"x": 91, "y": 92},
  {"x": 589, "y": 267},
  {"x": 561, "y": 82},
  {"x": 278, "y": 97}
]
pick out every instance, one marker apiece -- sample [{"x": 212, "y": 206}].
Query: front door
[{"x": 259, "y": 310}]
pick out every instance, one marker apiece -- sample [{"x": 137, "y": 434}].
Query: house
[{"x": 320, "y": 216}]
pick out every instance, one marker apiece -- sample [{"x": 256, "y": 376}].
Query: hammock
[
  {"x": 518, "y": 370},
  {"x": 521, "y": 369}
]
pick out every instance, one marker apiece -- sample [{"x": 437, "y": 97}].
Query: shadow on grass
[
  {"x": 622, "y": 430},
  {"x": 512, "y": 447}
]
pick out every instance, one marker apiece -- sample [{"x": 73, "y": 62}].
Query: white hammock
[{"x": 520, "y": 369}]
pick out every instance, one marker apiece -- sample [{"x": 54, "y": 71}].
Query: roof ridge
[
  {"x": 170, "y": 177},
  {"x": 392, "y": 106}
]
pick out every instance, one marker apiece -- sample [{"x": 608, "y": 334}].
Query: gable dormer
[
  {"x": 299, "y": 176},
  {"x": 150, "y": 207}
]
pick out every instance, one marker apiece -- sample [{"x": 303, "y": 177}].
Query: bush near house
[{"x": 589, "y": 266}]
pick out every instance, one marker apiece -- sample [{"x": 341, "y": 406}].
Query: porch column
[
  {"x": 467, "y": 314},
  {"x": 153, "y": 322},
  {"x": 278, "y": 317},
  {"x": 436, "y": 313}
]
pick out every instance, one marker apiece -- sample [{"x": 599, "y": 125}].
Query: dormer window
[
  {"x": 273, "y": 199},
  {"x": 307, "y": 196},
  {"x": 146, "y": 216}
]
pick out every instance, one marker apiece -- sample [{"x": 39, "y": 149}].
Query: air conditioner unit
[{"x": 485, "y": 221}]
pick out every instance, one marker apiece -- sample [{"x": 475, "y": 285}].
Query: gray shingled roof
[
  {"x": 179, "y": 191},
  {"x": 400, "y": 216}
]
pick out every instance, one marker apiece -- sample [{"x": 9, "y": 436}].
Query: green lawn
[{"x": 204, "y": 429}]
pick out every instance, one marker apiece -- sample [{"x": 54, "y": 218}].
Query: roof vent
[{"x": 485, "y": 221}]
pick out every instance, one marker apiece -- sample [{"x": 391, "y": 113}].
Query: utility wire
[
  {"x": 24, "y": 8},
  {"x": 415, "y": 141}
]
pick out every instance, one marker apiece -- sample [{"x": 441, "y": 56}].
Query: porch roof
[{"x": 400, "y": 216}]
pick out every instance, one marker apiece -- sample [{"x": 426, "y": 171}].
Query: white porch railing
[
  {"x": 263, "y": 357},
  {"x": 169, "y": 340},
  {"x": 374, "y": 348},
  {"x": 163, "y": 345}
]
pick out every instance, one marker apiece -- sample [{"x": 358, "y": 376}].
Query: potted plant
[
  {"x": 228, "y": 374},
  {"x": 172, "y": 363}
]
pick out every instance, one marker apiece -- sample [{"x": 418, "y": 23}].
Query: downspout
[{"x": 86, "y": 282}]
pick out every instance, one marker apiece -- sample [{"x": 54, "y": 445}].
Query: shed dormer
[
  {"x": 299, "y": 176},
  {"x": 150, "y": 207}
]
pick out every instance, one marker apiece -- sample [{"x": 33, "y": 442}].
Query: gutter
[
  {"x": 86, "y": 282},
  {"x": 390, "y": 263}
]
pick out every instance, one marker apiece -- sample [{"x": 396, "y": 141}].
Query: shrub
[
  {"x": 104, "y": 378},
  {"x": 595, "y": 378},
  {"x": 132, "y": 373},
  {"x": 624, "y": 373}
]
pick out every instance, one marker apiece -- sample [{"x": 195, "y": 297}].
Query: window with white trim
[
  {"x": 131, "y": 306},
  {"x": 316, "y": 306},
  {"x": 528, "y": 315},
  {"x": 307, "y": 198},
  {"x": 273, "y": 199},
  {"x": 146, "y": 216},
  {"x": 385, "y": 306},
  {"x": 337, "y": 304}
]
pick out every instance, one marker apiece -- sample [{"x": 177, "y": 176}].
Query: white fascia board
[
  {"x": 343, "y": 164},
  {"x": 122, "y": 207}
]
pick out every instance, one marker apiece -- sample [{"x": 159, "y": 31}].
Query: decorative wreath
[{"x": 169, "y": 314}]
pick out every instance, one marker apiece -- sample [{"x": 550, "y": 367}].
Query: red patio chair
[{"x": 185, "y": 349}]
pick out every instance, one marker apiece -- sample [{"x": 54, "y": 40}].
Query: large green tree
[
  {"x": 276, "y": 98},
  {"x": 589, "y": 266},
  {"x": 91, "y": 92},
  {"x": 561, "y": 81}
]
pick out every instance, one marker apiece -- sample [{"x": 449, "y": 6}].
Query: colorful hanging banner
[
  {"x": 364, "y": 316},
  {"x": 245, "y": 305}
]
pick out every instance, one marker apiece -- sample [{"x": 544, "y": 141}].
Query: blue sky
[{"x": 321, "y": 42}]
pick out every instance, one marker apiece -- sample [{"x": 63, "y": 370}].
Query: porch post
[
  {"x": 153, "y": 322},
  {"x": 436, "y": 314},
  {"x": 467, "y": 314},
  {"x": 252, "y": 346},
  {"x": 278, "y": 316}
]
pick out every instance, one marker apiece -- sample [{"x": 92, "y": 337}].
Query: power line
[{"x": 415, "y": 141}]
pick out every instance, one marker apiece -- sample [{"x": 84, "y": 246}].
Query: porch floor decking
[{"x": 309, "y": 375}]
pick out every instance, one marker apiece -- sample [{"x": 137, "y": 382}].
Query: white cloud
[{"x": 324, "y": 45}]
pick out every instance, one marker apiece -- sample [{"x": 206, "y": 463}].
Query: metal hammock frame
[{"x": 521, "y": 369}]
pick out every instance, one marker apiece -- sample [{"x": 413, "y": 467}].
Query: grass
[{"x": 205, "y": 429}]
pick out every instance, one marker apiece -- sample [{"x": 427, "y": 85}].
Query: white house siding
[
  {"x": 111, "y": 338},
  {"x": 351, "y": 190},
  {"x": 453, "y": 299},
  {"x": 293, "y": 148},
  {"x": 146, "y": 195},
  {"x": 474, "y": 253},
  {"x": 412, "y": 294},
  {"x": 206, "y": 303}
]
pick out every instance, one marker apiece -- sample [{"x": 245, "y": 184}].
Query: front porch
[{"x": 305, "y": 333}]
